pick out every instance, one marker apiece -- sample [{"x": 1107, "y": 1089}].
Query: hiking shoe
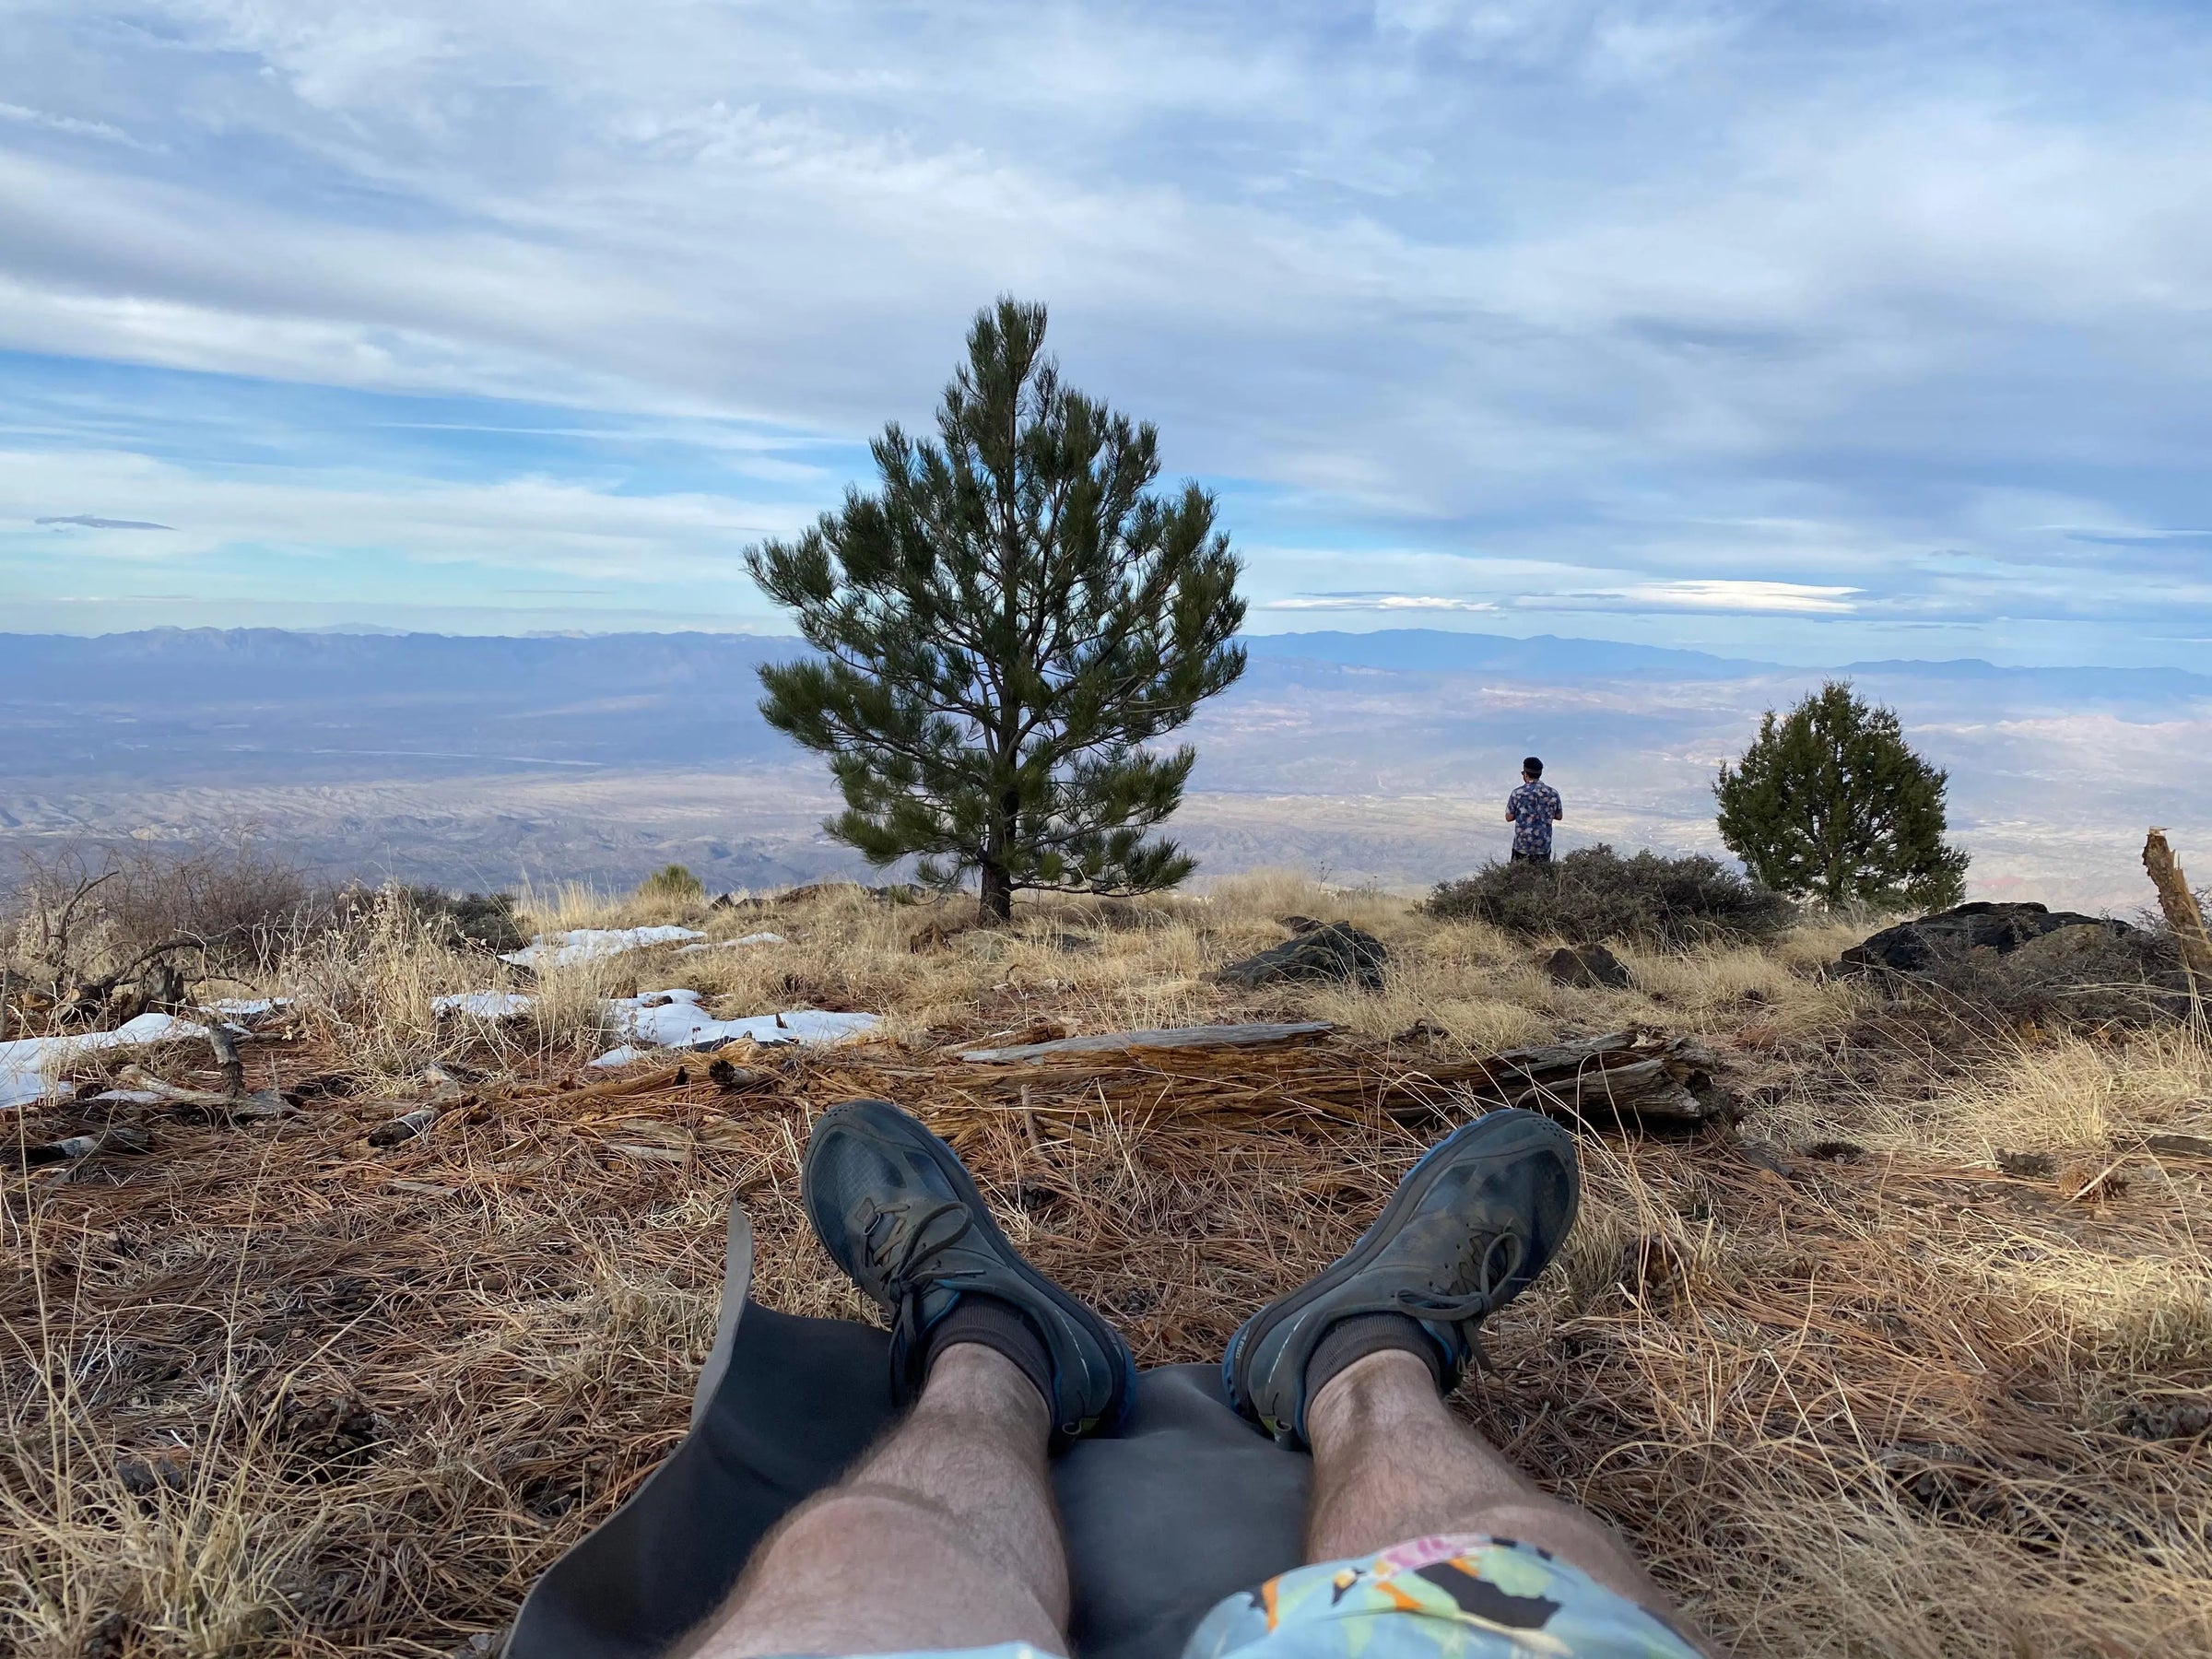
[
  {"x": 1469, "y": 1227},
  {"x": 902, "y": 1215}
]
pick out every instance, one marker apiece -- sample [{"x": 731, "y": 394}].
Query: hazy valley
[{"x": 1379, "y": 758}]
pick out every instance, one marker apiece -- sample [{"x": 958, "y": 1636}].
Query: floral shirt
[{"x": 1533, "y": 806}]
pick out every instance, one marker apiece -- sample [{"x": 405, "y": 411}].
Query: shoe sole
[
  {"x": 1530, "y": 1131},
  {"x": 917, "y": 1134}
]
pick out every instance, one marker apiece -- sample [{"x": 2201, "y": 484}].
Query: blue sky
[{"x": 1809, "y": 331}]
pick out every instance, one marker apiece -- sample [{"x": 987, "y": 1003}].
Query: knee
[{"x": 846, "y": 1522}]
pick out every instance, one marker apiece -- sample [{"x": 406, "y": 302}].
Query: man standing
[{"x": 1532, "y": 809}]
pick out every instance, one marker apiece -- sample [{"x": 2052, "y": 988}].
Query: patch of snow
[
  {"x": 234, "y": 1009},
  {"x": 29, "y": 1064},
  {"x": 674, "y": 1020},
  {"x": 588, "y": 944},
  {"x": 758, "y": 938},
  {"x": 484, "y": 1005}
]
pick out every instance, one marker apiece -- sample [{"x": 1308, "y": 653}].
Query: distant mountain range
[
  {"x": 1382, "y": 756},
  {"x": 251, "y": 660},
  {"x": 1549, "y": 657}
]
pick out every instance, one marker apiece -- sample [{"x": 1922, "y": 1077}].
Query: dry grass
[{"x": 269, "y": 1391}]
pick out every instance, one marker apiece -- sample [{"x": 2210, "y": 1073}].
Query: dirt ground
[{"x": 1926, "y": 1370}]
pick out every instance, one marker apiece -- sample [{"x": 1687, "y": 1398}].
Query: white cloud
[
  {"x": 1793, "y": 598},
  {"x": 65, "y": 124},
  {"x": 562, "y": 526},
  {"x": 1376, "y": 602}
]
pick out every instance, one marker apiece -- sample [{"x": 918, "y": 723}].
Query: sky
[{"x": 1808, "y": 331}]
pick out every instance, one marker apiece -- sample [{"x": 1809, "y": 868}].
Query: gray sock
[
  {"x": 1359, "y": 1334},
  {"x": 998, "y": 1325}
]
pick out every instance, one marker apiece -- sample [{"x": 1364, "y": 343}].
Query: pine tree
[
  {"x": 1002, "y": 628},
  {"x": 1829, "y": 802}
]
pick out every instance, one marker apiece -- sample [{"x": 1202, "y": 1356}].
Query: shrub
[
  {"x": 1829, "y": 802},
  {"x": 80, "y": 927},
  {"x": 468, "y": 921},
  {"x": 674, "y": 884},
  {"x": 1594, "y": 894}
]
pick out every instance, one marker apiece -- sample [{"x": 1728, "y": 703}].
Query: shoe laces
[
  {"x": 902, "y": 1239},
  {"x": 1500, "y": 1259}
]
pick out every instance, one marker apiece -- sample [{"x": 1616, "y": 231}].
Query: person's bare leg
[
  {"x": 1391, "y": 1463},
  {"x": 944, "y": 1537}
]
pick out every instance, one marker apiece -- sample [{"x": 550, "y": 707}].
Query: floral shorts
[{"x": 1461, "y": 1597}]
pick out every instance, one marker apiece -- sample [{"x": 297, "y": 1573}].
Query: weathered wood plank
[{"x": 1174, "y": 1037}]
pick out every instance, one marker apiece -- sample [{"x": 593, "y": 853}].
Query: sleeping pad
[{"x": 1187, "y": 1504}]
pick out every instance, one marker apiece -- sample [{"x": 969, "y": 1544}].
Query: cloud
[
  {"x": 86, "y": 520},
  {"x": 1663, "y": 300},
  {"x": 545, "y": 525},
  {"x": 69, "y": 124},
  {"x": 1376, "y": 602},
  {"x": 1791, "y": 598}
]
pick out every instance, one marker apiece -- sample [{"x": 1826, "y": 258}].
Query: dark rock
[
  {"x": 736, "y": 1079},
  {"x": 412, "y": 1126},
  {"x": 1760, "y": 1155},
  {"x": 143, "y": 1476},
  {"x": 1336, "y": 951},
  {"x": 115, "y": 1635},
  {"x": 1918, "y": 947},
  {"x": 1592, "y": 967},
  {"x": 1837, "y": 1151},
  {"x": 1297, "y": 924},
  {"x": 2177, "y": 1417},
  {"x": 329, "y": 1434},
  {"x": 2027, "y": 1165}
]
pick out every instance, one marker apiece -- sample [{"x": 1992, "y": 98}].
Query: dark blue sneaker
[
  {"x": 902, "y": 1215},
  {"x": 1469, "y": 1227}
]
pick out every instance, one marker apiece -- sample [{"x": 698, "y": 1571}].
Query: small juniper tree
[
  {"x": 1829, "y": 802},
  {"x": 1002, "y": 628}
]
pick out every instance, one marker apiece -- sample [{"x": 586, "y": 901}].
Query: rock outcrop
[
  {"x": 1591, "y": 967},
  {"x": 1336, "y": 950},
  {"x": 1918, "y": 947}
]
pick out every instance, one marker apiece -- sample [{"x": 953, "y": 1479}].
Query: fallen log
[
  {"x": 240, "y": 1108},
  {"x": 1175, "y": 1037},
  {"x": 661, "y": 1077},
  {"x": 1624, "y": 1076},
  {"x": 1620, "y": 1076}
]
